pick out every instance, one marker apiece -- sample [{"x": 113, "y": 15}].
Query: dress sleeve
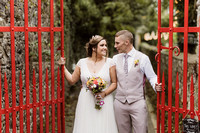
[
  {"x": 111, "y": 62},
  {"x": 79, "y": 63},
  {"x": 114, "y": 59}
]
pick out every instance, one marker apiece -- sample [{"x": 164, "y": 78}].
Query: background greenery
[{"x": 84, "y": 18}]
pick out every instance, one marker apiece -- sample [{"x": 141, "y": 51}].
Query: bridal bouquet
[{"x": 96, "y": 85}]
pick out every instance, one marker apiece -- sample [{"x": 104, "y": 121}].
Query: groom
[{"x": 131, "y": 66}]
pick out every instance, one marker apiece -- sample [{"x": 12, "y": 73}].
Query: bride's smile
[
  {"x": 102, "y": 48},
  {"x": 100, "y": 51}
]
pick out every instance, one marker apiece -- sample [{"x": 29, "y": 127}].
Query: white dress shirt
[{"x": 145, "y": 66}]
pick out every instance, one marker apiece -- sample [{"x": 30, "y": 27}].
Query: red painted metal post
[
  {"x": 199, "y": 78},
  {"x": 47, "y": 102},
  {"x": 62, "y": 68},
  {"x": 185, "y": 58},
  {"x": 170, "y": 66},
  {"x": 52, "y": 63},
  {"x": 12, "y": 32},
  {"x": 192, "y": 113},
  {"x": 158, "y": 64},
  {"x": 163, "y": 105},
  {"x": 58, "y": 104},
  {"x": 34, "y": 112},
  {"x": 6, "y": 103},
  {"x": 26, "y": 32},
  {"x": 0, "y": 98},
  {"x": 21, "y": 103},
  {"x": 40, "y": 65},
  {"x": 34, "y": 104},
  {"x": 177, "y": 105}
]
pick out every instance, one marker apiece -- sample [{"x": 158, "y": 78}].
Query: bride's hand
[
  {"x": 61, "y": 61},
  {"x": 100, "y": 95}
]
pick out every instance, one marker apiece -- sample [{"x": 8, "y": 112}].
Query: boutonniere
[{"x": 136, "y": 62}]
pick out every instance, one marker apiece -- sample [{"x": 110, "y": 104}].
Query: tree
[{"x": 106, "y": 17}]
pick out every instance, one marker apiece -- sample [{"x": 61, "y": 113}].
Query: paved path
[{"x": 151, "y": 117}]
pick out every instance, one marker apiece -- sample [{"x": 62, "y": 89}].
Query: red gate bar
[
  {"x": 158, "y": 64},
  {"x": 192, "y": 113},
  {"x": 40, "y": 65},
  {"x": 179, "y": 29},
  {"x": 27, "y": 63},
  {"x": 52, "y": 62},
  {"x": 59, "y": 29},
  {"x": 177, "y": 104},
  {"x": 21, "y": 103},
  {"x": 12, "y": 32},
  {"x": 34, "y": 112},
  {"x": 199, "y": 80},
  {"x": 163, "y": 105},
  {"x": 58, "y": 105},
  {"x": 170, "y": 66},
  {"x": 185, "y": 57},
  {"x": 62, "y": 68},
  {"x": 34, "y": 103},
  {"x": 30, "y": 29},
  {"x": 0, "y": 97},
  {"x": 6, "y": 103},
  {"x": 47, "y": 102}
]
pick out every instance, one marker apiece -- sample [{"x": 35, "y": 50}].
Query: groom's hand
[{"x": 158, "y": 87}]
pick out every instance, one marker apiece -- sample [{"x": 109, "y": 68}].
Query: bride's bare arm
[
  {"x": 74, "y": 77},
  {"x": 113, "y": 78},
  {"x": 71, "y": 78}
]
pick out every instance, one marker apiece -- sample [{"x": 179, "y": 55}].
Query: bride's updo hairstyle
[{"x": 92, "y": 44}]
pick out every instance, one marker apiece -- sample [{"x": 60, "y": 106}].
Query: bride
[{"x": 88, "y": 119}]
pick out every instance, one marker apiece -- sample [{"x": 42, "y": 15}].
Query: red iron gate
[
  {"x": 165, "y": 122},
  {"x": 55, "y": 103}
]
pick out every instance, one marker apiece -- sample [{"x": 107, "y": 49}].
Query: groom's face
[{"x": 120, "y": 44}]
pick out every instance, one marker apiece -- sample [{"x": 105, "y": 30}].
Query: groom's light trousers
[{"x": 131, "y": 117}]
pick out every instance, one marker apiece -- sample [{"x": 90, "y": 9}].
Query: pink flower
[
  {"x": 101, "y": 103},
  {"x": 95, "y": 82}
]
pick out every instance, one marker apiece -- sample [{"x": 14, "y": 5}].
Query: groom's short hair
[{"x": 125, "y": 33}]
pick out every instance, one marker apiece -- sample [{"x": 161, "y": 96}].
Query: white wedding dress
[{"x": 87, "y": 118}]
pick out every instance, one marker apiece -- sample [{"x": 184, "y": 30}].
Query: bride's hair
[{"x": 92, "y": 44}]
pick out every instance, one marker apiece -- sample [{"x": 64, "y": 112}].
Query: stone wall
[{"x": 177, "y": 68}]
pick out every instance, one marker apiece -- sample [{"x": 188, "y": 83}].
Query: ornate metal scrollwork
[{"x": 177, "y": 52}]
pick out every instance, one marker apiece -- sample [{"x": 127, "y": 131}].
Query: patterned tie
[{"x": 126, "y": 64}]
